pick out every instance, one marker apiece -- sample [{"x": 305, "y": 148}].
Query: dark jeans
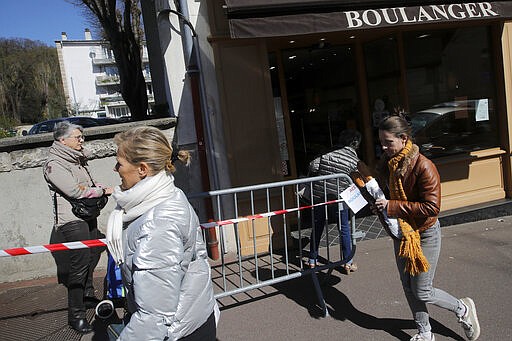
[
  {"x": 75, "y": 268},
  {"x": 319, "y": 226}
]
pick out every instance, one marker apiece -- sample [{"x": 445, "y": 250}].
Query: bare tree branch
[{"x": 122, "y": 27}]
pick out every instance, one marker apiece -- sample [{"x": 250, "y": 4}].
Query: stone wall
[{"x": 26, "y": 216}]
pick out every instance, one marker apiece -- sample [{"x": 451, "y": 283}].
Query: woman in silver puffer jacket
[{"x": 155, "y": 236}]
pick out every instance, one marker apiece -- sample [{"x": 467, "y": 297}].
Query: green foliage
[
  {"x": 30, "y": 83},
  {"x": 7, "y": 127}
]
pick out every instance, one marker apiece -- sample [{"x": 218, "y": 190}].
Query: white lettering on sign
[{"x": 400, "y": 15}]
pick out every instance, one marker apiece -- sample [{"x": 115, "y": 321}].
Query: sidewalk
[{"x": 367, "y": 305}]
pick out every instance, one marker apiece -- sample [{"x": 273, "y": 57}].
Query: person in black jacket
[{"x": 341, "y": 160}]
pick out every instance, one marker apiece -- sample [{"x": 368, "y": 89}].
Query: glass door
[{"x": 322, "y": 97}]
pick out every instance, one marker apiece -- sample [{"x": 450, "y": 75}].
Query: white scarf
[{"x": 131, "y": 204}]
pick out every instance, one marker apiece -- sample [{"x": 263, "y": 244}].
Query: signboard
[
  {"x": 353, "y": 198},
  {"x": 345, "y": 20}
]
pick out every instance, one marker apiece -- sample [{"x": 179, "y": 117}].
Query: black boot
[
  {"x": 90, "y": 299},
  {"x": 78, "y": 321},
  {"x": 76, "y": 310},
  {"x": 91, "y": 302}
]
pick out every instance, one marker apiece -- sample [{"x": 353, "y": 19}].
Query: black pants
[
  {"x": 207, "y": 331},
  {"x": 75, "y": 268}
]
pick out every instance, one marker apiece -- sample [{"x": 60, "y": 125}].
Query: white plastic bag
[{"x": 390, "y": 224}]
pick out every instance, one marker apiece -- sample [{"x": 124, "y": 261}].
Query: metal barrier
[
  {"x": 264, "y": 243},
  {"x": 266, "y": 246}
]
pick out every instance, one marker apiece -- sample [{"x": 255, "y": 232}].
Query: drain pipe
[
  {"x": 206, "y": 151},
  {"x": 191, "y": 47}
]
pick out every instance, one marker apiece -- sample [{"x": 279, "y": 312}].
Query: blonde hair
[{"x": 149, "y": 145}]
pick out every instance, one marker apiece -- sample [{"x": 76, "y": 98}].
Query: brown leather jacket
[{"x": 422, "y": 186}]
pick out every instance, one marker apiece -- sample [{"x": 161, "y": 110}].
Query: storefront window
[
  {"x": 322, "y": 97},
  {"x": 450, "y": 83},
  {"x": 383, "y": 79}
]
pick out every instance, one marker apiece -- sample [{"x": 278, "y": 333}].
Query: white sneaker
[
  {"x": 470, "y": 321},
  {"x": 419, "y": 337}
]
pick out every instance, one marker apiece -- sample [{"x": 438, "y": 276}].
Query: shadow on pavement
[{"x": 340, "y": 307}]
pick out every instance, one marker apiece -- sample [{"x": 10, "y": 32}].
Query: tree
[
  {"x": 122, "y": 28},
  {"x": 30, "y": 85}
]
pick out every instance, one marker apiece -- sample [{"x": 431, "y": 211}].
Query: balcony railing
[
  {"x": 107, "y": 80},
  {"x": 103, "y": 61},
  {"x": 117, "y": 99},
  {"x": 111, "y": 97}
]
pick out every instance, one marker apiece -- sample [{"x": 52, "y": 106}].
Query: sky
[{"x": 42, "y": 20}]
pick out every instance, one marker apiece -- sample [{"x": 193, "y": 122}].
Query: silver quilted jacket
[
  {"x": 342, "y": 160},
  {"x": 166, "y": 272}
]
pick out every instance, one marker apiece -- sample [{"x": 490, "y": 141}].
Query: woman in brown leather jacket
[{"x": 413, "y": 187}]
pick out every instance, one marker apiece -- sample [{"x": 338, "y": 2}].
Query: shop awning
[{"x": 274, "y": 18}]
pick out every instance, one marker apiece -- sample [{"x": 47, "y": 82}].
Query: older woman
[
  {"x": 155, "y": 235},
  {"x": 414, "y": 188},
  {"x": 68, "y": 177}
]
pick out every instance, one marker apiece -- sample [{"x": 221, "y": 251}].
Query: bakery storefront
[{"x": 299, "y": 72}]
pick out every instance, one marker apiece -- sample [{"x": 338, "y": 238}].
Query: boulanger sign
[
  {"x": 299, "y": 24},
  {"x": 421, "y": 14}
]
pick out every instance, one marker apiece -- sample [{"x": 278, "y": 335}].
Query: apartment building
[{"x": 90, "y": 77}]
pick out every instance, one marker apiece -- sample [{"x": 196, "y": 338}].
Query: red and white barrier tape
[
  {"x": 20, "y": 251},
  {"x": 267, "y": 214}
]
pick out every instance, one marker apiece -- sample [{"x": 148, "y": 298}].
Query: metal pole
[
  {"x": 206, "y": 150},
  {"x": 74, "y": 96}
]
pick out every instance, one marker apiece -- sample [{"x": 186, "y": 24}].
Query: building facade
[
  {"x": 284, "y": 77},
  {"x": 90, "y": 77}
]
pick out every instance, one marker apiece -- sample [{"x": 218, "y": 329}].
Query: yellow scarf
[{"x": 410, "y": 246}]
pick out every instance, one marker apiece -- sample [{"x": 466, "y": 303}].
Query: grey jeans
[{"x": 418, "y": 289}]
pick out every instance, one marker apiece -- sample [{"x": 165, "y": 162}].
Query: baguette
[
  {"x": 364, "y": 170},
  {"x": 358, "y": 179}
]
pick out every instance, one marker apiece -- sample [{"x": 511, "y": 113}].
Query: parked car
[
  {"x": 453, "y": 127},
  {"x": 84, "y": 121},
  {"x": 108, "y": 120}
]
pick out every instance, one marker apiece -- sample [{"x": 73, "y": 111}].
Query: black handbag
[
  {"x": 85, "y": 208},
  {"x": 88, "y": 208}
]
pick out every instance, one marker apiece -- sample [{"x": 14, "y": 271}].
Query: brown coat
[{"x": 422, "y": 186}]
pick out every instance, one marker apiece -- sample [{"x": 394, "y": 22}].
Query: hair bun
[
  {"x": 400, "y": 112},
  {"x": 174, "y": 155}
]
